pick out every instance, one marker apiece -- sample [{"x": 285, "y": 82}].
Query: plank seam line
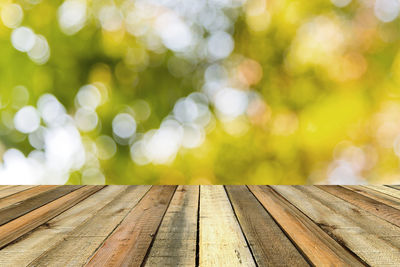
[
  {"x": 332, "y": 236},
  {"x": 43, "y": 204},
  {"x": 33, "y": 229},
  {"x": 375, "y": 215},
  {"x": 391, "y": 186},
  {"x": 61, "y": 241},
  {"x": 241, "y": 229},
  {"x": 146, "y": 256},
  {"x": 384, "y": 193},
  {"x": 355, "y": 190},
  {"x": 113, "y": 230},
  {"x": 283, "y": 230},
  {"x": 17, "y": 192},
  {"x": 197, "y": 260}
]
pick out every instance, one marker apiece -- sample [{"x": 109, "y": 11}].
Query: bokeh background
[{"x": 199, "y": 92}]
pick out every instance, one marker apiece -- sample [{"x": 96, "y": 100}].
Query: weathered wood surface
[
  {"x": 267, "y": 240},
  {"x": 130, "y": 241},
  {"x": 20, "y": 208},
  {"x": 222, "y": 242},
  {"x": 199, "y": 225},
  {"x": 13, "y": 189},
  {"x": 175, "y": 242}
]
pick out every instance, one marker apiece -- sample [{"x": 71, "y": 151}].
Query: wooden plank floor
[{"x": 166, "y": 225}]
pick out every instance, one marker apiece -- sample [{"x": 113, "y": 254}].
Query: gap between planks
[{"x": 226, "y": 212}]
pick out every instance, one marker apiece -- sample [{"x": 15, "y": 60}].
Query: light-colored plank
[
  {"x": 175, "y": 242},
  {"x": 221, "y": 240},
  {"x": 378, "y": 196},
  {"x": 385, "y": 189},
  {"x": 397, "y": 187},
  {"x": 267, "y": 241},
  {"x": 16, "y": 228},
  {"x": 14, "y": 189},
  {"x": 20, "y": 208},
  {"x": 89, "y": 236},
  {"x": 374, "y": 240},
  {"x": 5, "y": 186},
  {"x": 377, "y": 203},
  {"x": 32, "y": 245},
  {"x": 318, "y": 246},
  {"x": 129, "y": 243},
  {"x": 20, "y": 196}
]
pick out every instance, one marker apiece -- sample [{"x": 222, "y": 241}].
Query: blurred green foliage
[{"x": 327, "y": 79}]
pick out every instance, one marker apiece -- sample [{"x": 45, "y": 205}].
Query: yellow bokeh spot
[
  {"x": 396, "y": 68},
  {"x": 327, "y": 121}
]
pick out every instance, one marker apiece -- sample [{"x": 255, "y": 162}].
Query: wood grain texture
[
  {"x": 175, "y": 242},
  {"x": 318, "y": 246},
  {"x": 386, "y": 190},
  {"x": 16, "y": 228},
  {"x": 10, "y": 190},
  {"x": 370, "y": 204},
  {"x": 20, "y": 196},
  {"x": 129, "y": 243},
  {"x": 268, "y": 242},
  {"x": 397, "y": 187},
  {"x": 376, "y": 195},
  {"x": 43, "y": 238},
  {"x": 373, "y": 206},
  {"x": 87, "y": 237},
  {"x": 5, "y": 186},
  {"x": 20, "y": 208},
  {"x": 349, "y": 225},
  {"x": 202, "y": 226},
  {"x": 221, "y": 240}
]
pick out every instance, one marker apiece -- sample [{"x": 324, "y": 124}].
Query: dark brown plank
[
  {"x": 318, "y": 246},
  {"x": 16, "y": 228},
  {"x": 20, "y": 208},
  {"x": 129, "y": 243},
  {"x": 373, "y": 206},
  {"x": 267, "y": 241}
]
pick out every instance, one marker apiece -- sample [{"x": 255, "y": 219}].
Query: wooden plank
[
  {"x": 221, "y": 240},
  {"x": 20, "y": 196},
  {"x": 319, "y": 247},
  {"x": 5, "y": 186},
  {"x": 14, "y": 189},
  {"x": 397, "y": 187},
  {"x": 90, "y": 235},
  {"x": 175, "y": 242},
  {"x": 43, "y": 238},
  {"x": 386, "y": 190},
  {"x": 374, "y": 240},
  {"x": 267, "y": 241},
  {"x": 376, "y": 195},
  {"x": 20, "y": 208},
  {"x": 128, "y": 244},
  {"x": 16, "y": 228},
  {"x": 377, "y": 208}
]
